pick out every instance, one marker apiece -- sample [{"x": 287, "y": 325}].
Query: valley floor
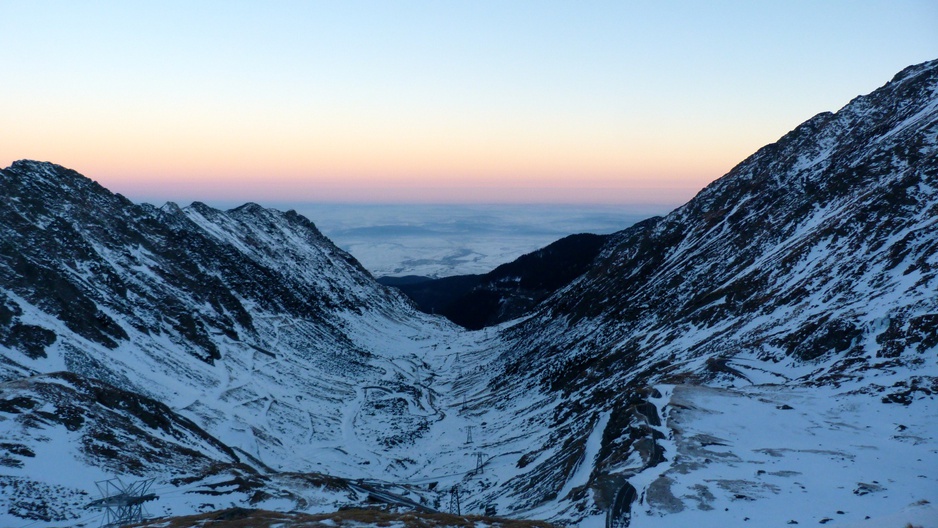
[{"x": 430, "y": 427}]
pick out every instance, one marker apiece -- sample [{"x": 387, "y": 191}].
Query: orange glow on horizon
[
  {"x": 243, "y": 178},
  {"x": 465, "y": 102},
  {"x": 402, "y": 189},
  {"x": 425, "y": 169}
]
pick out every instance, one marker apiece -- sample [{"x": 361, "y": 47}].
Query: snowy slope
[
  {"x": 812, "y": 263},
  {"x": 751, "y": 454},
  {"x": 247, "y": 322}
]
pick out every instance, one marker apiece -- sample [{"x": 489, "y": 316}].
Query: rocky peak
[{"x": 797, "y": 254}]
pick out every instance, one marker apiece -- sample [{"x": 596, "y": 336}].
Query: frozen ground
[
  {"x": 773, "y": 455},
  {"x": 444, "y": 240}
]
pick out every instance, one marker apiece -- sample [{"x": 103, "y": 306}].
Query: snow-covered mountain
[
  {"x": 812, "y": 263},
  {"x": 817, "y": 250},
  {"x": 765, "y": 354},
  {"x": 248, "y": 322}
]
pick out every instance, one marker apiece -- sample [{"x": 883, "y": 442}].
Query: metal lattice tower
[
  {"x": 122, "y": 503},
  {"x": 469, "y": 434},
  {"x": 454, "y": 500}
]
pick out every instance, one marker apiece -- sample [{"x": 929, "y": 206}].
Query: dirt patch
[{"x": 245, "y": 518}]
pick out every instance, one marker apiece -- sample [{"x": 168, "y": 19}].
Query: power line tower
[
  {"x": 122, "y": 503},
  {"x": 479, "y": 462},
  {"x": 469, "y": 434},
  {"x": 454, "y": 500}
]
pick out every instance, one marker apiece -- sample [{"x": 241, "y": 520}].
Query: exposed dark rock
[{"x": 508, "y": 291}]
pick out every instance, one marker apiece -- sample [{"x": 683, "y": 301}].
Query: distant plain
[{"x": 445, "y": 240}]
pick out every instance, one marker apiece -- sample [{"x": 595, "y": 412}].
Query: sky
[{"x": 612, "y": 102}]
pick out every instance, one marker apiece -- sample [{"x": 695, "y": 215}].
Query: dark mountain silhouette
[{"x": 507, "y": 292}]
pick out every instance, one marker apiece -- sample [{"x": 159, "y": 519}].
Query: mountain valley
[{"x": 766, "y": 354}]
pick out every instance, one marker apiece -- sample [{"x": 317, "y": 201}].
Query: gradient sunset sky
[{"x": 432, "y": 101}]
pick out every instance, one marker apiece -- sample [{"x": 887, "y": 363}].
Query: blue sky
[{"x": 614, "y": 102}]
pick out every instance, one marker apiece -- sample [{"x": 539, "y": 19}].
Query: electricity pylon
[{"x": 122, "y": 503}]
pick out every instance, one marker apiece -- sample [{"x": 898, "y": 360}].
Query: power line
[
  {"x": 30, "y": 523},
  {"x": 73, "y": 522}
]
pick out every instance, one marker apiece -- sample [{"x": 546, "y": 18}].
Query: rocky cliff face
[{"x": 266, "y": 367}]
